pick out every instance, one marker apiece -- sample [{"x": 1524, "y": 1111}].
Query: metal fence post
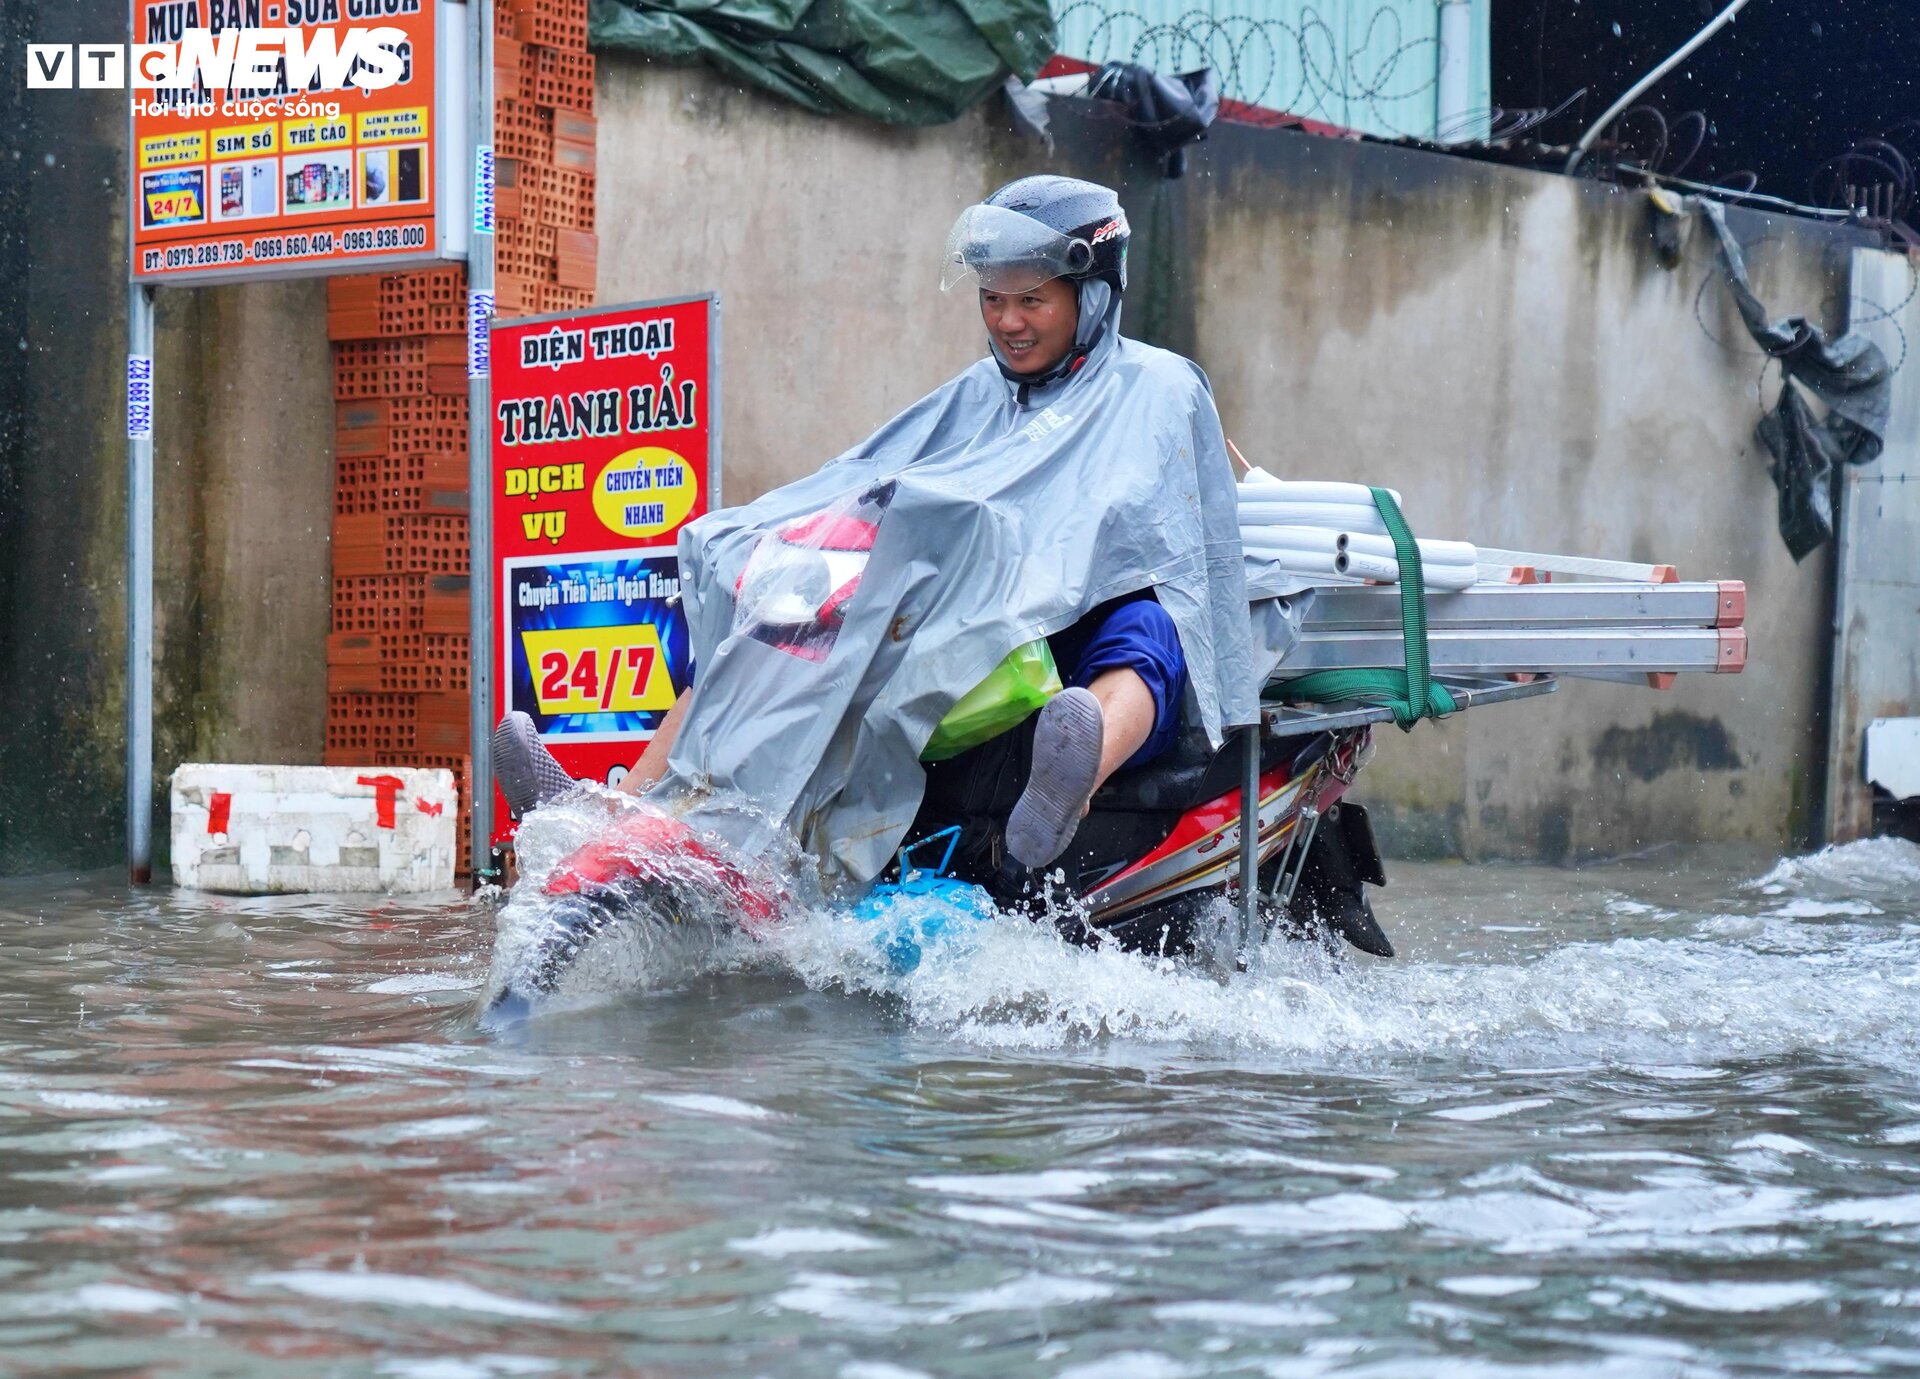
[
  {"x": 480, "y": 621},
  {"x": 140, "y": 584}
]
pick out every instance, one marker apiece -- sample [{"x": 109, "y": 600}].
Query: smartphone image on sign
[
  {"x": 410, "y": 181},
  {"x": 393, "y": 176},
  {"x": 319, "y": 182},
  {"x": 246, "y": 191}
]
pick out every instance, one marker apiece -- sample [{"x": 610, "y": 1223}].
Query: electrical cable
[
  {"x": 1646, "y": 83},
  {"x": 1736, "y": 195}
]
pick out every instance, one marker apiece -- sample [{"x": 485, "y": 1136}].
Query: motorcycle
[{"x": 1262, "y": 821}]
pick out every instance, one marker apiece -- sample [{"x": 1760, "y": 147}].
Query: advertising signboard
[
  {"x": 605, "y": 443},
  {"x": 290, "y": 154}
]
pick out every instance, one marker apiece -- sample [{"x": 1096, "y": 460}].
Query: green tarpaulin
[{"x": 905, "y": 62}]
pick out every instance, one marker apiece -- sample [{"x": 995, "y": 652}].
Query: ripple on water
[
  {"x": 406, "y": 1291},
  {"x": 1655, "y": 1125}
]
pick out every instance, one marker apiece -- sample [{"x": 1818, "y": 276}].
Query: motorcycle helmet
[{"x": 1036, "y": 229}]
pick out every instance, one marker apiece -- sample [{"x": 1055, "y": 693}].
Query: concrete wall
[
  {"x": 1504, "y": 348},
  {"x": 1500, "y": 345},
  {"x": 243, "y": 487}
]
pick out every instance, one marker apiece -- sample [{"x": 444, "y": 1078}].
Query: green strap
[{"x": 1411, "y": 695}]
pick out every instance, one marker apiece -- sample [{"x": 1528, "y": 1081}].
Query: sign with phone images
[{"x": 304, "y": 172}]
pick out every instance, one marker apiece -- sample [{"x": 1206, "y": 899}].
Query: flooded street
[{"x": 1655, "y": 1118}]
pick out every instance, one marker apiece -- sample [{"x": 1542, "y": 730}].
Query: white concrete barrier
[{"x": 261, "y": 830}]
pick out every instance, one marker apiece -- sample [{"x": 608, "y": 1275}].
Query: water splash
[
  {"x": 1873, "y": 865},
  {"x": 1651, "y": 984},
  {"x": 661, "y": 932}
]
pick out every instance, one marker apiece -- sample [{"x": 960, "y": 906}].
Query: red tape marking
[
  {"x": 219, "y": 810},
  {"x": 386, "y": 791}
]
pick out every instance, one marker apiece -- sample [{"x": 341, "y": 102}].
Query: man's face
[{"x": 1033, "y": 329}]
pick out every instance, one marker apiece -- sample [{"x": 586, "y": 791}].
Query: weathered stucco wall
[
  {"x": 1500, "y": 345},
  {"x": 822, "y": 237},
  {"x": 1504, "y": 348},
  {"x": 243, "y": 481}
]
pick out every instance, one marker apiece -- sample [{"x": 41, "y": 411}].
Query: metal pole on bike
[{"x": 1250, "y": 835}]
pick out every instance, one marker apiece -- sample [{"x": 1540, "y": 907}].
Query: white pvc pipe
[
  {"x": 1432, "y": 553},
  {"x": 1335, "y": 517},
  {"x": 1267, "y": 489},
  {"x": 1320, "y": 539},
  {"x": 1367, "y": 567},
  {"x": 1322, "y": 562},
  {"x": 1323, "y": 538},
  {"x": 1454, "y": 98},
  {"x": 1451, "y": 578},
  {"x": 1640, "y": 87},
  {"x": 1307, "y": 564}
]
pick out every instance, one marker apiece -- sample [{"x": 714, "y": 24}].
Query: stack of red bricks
[
  {"x": 397, "y": 659},
  {"x": 546, "y": 254},
  {"x": 398, "y": 664}
]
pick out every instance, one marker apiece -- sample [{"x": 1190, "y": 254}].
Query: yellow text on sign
[
  {"x": 306, "y": 136},
  {"x": 535, "y": 481},
  {"x": 393, "y": 126},
  {"x": 599, "y": 669},
  {"x": 645, "y": 492},
  {"x": 170, "y": 150},
  {"x": 174, "y": 206},
  {"x": 245, "y": 140}
]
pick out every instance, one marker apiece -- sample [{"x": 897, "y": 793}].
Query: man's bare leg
[
  {"x": 1126, "y": 719},
  {"x": 653, "y": 762}
]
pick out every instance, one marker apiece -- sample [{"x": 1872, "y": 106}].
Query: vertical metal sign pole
[
  {"x": 140, "y": 584},
  {"x": 480, "y": 306}
]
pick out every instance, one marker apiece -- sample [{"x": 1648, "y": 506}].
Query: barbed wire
[
  {"x": 1874, "y": 177},
  {"x": 1498, "y": 124},
  {"x": 1361, "y": 65},
  {"x": 1277, "y": 71}
]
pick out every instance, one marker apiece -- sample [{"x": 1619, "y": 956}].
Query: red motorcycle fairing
[
  {"x": 792, "y": 593},
  {"x": 1202, "y": 850},
  {"x": 642, "y": 846}
]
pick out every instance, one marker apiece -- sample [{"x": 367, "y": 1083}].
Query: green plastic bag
[{"x": 1013, "y": 691}]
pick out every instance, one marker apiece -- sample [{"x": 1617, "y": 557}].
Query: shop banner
[
  {"x": 605, "y": 444},
  {"x": 290, "y": 154}
]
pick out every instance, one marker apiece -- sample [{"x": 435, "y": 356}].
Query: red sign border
[{"x": 499, "y": 615}]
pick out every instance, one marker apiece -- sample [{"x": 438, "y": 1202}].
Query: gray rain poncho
[{"x": 993, "y": 519}]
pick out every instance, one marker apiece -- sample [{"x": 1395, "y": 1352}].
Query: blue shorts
[{"x": 1134, "y": 633}]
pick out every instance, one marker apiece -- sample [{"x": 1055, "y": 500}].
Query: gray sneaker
[
  {"x": 1066, "y": 763},
  {"x": 526, "y": 770}
]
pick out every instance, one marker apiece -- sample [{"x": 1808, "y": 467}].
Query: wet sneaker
[
  {"x": 526, "y": 770},
  {"x": 1066, "y": 763}
]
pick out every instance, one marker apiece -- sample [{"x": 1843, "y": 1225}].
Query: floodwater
[{"x": 1659, "y": 1118}]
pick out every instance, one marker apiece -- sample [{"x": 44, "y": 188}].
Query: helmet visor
[{"x": 1005, "y": 251}]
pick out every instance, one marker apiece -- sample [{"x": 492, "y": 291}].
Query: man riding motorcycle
[{"x": 1154, "y": 557}]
